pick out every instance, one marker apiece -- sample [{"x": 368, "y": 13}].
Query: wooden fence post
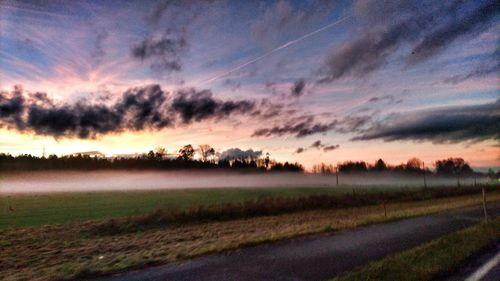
[{"x": 484, "y": 205}]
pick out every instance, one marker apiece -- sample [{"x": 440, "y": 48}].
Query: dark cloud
[
  {"x": 236, "y": 153},
  {"x": 300, "y": 128},
  {"x": 298, "y": 88},
  {"x": 11, "y": 108},
  {"x": 330, "y": 147},
  {"x": 441, "y": 125},
  {"x": 194, "y": 105},
  {"x": 169, "y": 22},
  {"x": 138, "y": 109},
  {"x": 430, "y": 26},
  {"x": 306, "y": 125},
  {"x": 353, "y": 123},
  {"x": 163, "y": 53},
  {"x": 317, "y": 144},
  {"x": 382, "y": 98},
  {"x": 146, "y": 108},
  {"x": 470, "y": 24},
  {"x": 300, "y": 150}
]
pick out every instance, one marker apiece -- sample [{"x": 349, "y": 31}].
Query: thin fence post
[
  {"x": 425, "y": 180},
  {"x": 337, "y": 175},
  {"x": 385, "y": 209},
  {"x": 484, "y": 205}
]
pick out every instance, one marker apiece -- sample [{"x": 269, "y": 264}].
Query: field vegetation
[
  {"x": 66, "y": 251},
  {"x": 21, "y": 210}
]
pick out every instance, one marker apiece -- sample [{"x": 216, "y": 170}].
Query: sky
[{"x": 305, "y": 81}]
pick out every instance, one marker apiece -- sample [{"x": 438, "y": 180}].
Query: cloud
[
  {"x": 478, "y": 72},
  {"x": 146, "y": 108},
  {"x": 470, "y": 24},
  {"x": 98, "y": 51},
  {"x": 389, "y": 98},
  {"x": 440, "y": 125},
  {"x": 300, "y": 150},
  {"x": 306, "y": 125},
  {"x": 236, "y": 153},
  {"x": 285, "y": 16},
  {"x": 179, "y": 12},
  {"x": 194, "y": 105},
  {"x": 163, "y": 53},
  {"x": 298, "y": 88},
  {"x": 11, "y": 108},
  {"x": 330, "y": 147},
  {"x": 317, "y": 144},
  {"x": 492, "y": 66},
  {"x": 427, "y": 26},
  {"x": 232, "y": 84},
  {"x": 300, "y": 128},
  {"x": 138, "y": 109}
]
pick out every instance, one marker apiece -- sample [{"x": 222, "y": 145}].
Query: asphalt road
[
  {"x": 473, "y": 270},
  {"x": 319, "y": 257}
]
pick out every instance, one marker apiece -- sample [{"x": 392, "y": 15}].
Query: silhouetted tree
[
  {"x": 186, "y": 152},
  {"x": 492, "y": 175},
  {"x": 413, "y": 165},
  {"x": 353, "y": 167},
  {"x": 379, "y": 166},
  {"x": 453, "y": 166},
  {"x": 323, "y": 169},
  {"x": 151, "y": 155}
]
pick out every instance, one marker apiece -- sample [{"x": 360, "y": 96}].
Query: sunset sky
[{"x": 367, "y": 79}]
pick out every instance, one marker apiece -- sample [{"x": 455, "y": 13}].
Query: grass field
[
  {"x": 52, "y": 208},
  {"x": 429, "y": 260},
  {"x": 71, "y": 250},
  {"x": 20, "y": 210}
]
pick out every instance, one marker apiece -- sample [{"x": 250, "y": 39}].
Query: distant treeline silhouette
[
  {"x": 445, "y": 167},
  {"x": 232, "y": 159},
  {"x": 235, "y": 160}
]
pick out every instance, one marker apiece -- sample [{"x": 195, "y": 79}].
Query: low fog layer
[{"x": 28, "y": 182}]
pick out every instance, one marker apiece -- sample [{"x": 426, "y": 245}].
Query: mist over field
[{"x": 35, "y": 182}]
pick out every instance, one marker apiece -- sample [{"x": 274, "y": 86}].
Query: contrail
[{"x": 286, "y": 45}]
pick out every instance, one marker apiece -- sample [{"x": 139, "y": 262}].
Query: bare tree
[
  {"x": 414, "y": 164},
  {"x": 160, "y": 151},
  {"x": 206, "y": 152}
]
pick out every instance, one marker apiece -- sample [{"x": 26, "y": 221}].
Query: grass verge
[
  {"x": 61, "y": 252},
  {"x": 431, "y": 259}
]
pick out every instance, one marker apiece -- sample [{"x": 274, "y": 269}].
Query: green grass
[
  {"x": 431, "y": 259},
  {"x": 20, "y": 210}
]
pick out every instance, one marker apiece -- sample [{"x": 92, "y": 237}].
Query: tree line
[
  {"x": 184, "y": 158},
  {"x": 444, "y": 167},
  {"x": 205, "y": 157}
]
